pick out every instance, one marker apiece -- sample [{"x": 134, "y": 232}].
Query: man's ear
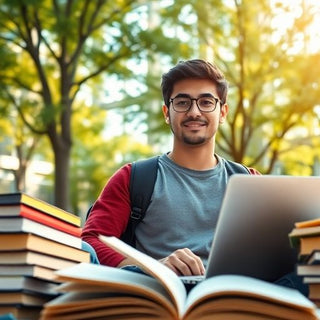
[
  {"x": 165, "y": 111},
  {"x": 223, "y": 113}
]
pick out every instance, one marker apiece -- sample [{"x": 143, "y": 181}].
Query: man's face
[{"x": 194, "y": 127}]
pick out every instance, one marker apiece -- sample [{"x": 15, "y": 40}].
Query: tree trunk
[
  {"x": 20, "y": 178},
  {"x": 61, "y": 185},
  {"x": 61, "y": 146}
]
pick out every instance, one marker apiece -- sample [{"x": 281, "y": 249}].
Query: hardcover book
[
  {"x": 29, "y": 270},
  {"x": 27, "y": 241},
  {"x": 21, "y": 210},
  {"x": 297, "y": 233},
  {"x": 27, "y": 284},
  {"x": 23, "y": 298},
  {"x": 34, "y": 258},
  {"x": 22, "y": 198},
  {"x": 18, "y": 224},
  {"x": 20, "y": 312}
]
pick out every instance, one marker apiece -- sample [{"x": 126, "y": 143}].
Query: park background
[{"x": 80, "y": 87}]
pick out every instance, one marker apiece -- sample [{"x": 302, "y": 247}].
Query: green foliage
[
  {"x": 60, "y": 59},
  {"x": 94, "y": 158},
  {"x": 270, "y": 84},
  {"x": 61, "y": 46}
]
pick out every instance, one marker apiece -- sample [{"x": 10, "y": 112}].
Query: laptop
[{"x": 256, "y": 216}]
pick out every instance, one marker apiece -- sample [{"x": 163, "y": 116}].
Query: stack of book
[
  {"x": 305, "y": 237},
  {"x": 36, "y": 240}
]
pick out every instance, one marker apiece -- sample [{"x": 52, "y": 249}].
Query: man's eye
[
  {"x": 182, "y": 102},
  {"x": 207, "y": 102}
]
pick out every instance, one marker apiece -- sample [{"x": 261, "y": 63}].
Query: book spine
[
  {"x": 50, "y": 221},
  {"x": 17, "y": 224},
  {"x": 51, "y": 210},
  {"x": 21, "y": 198}
]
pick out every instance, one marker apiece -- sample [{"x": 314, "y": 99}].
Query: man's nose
[{"x": 194, "y": 109}]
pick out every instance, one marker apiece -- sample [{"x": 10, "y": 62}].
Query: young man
[{"x": 180, "y": 220}]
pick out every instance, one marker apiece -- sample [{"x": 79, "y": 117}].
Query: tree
[
  {"x": 22, "y": 142},
  {"x": 96, "y": 156},
  {"x": 63, "y": 46},
  {"x": 267, "y": 77},
  {"x": 273, "y": 77}
]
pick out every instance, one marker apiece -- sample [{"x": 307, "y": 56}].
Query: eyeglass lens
[{"x": 183, "y": 104}]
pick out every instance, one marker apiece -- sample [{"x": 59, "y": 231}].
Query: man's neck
[{"x": 195, "y": 158}]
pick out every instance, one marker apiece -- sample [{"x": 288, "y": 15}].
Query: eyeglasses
[{"x": 204, "y": 104}]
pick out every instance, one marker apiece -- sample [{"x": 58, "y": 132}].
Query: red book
[
  {"x": 21, "y": 210},
  {"x": 8, "y": 199}
]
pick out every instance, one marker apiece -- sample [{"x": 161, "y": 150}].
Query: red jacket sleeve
[
  {"x": 254, "y": 171},
  {"x": 109, "y": 216}
]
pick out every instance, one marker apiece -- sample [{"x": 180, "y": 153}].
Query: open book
[{"x": 101, "y": 292}]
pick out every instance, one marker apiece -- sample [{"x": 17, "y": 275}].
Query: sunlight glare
[{"x": 303, "y": 11}]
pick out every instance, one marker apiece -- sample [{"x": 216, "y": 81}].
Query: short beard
[
  {"x": 193, "y": 141},
  {"x": 188, "y": 140}
]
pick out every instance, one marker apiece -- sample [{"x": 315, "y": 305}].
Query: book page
[
  {"x": 103, "y": 305},
  {"x": 251, "y": 288},
  {"x": 166, "y": 276},
  {"x": 98, "y": 278},
  {"x": 235, "y": 306}
]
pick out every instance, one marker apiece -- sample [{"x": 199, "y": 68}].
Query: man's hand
[
  {"x": 126, "y": 262},
  {"x": 184, "y": 263}
]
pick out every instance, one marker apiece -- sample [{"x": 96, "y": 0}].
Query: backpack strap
[
  {"x": 142, "y": 180},
  {"x": 235, "y": 167}
]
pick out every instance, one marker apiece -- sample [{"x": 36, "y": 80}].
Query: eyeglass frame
[{"x": 196, "y": 100}]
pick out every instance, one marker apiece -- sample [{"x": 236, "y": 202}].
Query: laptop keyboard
[{"x": 191, "y": 279}]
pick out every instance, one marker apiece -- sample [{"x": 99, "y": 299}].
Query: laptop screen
[{"x": 256, "y": 216}]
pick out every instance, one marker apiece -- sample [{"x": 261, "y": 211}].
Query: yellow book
[
  {"x": 22, "y": 198},
  {"x": 308, "y": 223}
]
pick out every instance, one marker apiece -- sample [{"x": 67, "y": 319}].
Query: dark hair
[{"x": 195, "y": 69}]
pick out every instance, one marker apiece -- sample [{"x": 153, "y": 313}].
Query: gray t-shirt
[{"x": 183, "y": 211}]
